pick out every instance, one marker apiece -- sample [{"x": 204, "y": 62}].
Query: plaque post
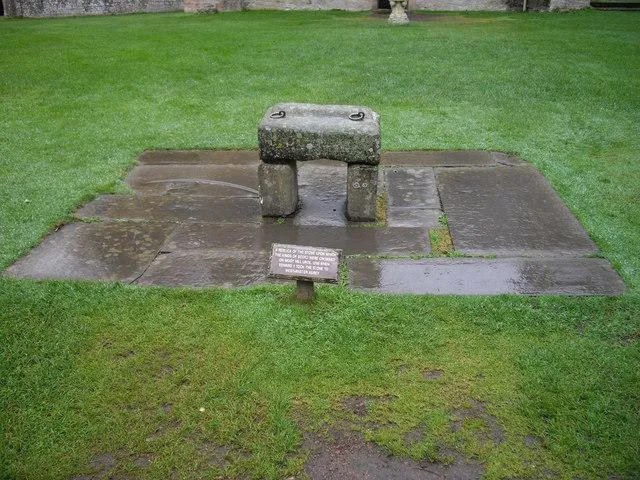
[
  {"x": 305, "y": 290},
  {"x": 306, "y": 265}
]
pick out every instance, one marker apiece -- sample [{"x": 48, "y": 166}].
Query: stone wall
[
  {"x": 569, "y": 4},
  {"x": 52, "y": 8},
  {"x": 542, "y": 5},
  {"x": 49, "y": 8},
  {"x": 353, "y": 5},
  {"x": 462, "y": 5}
]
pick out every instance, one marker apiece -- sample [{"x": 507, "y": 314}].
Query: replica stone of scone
[{"x": 303, "y": 131}]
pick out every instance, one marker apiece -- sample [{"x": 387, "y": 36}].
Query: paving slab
[
  {"x": 463, "y": 158},
  {"x": 411, "y": 187},
  {"x": 173, "y": 208},
  {"x": 507, "y": 159},
  {"x": 196, "y": 221},
  {"x": 352, "y": 240},
  {"x": 195, "y": 180},
  {"x": 509, "y": 211},
  {"x": 473, "y": 276},
  {"x": 213, "y": 157},
  {"x": 110, "y": 251},
  {"x": 205, "y": 268},
  {"x": 413, "y": 217}
]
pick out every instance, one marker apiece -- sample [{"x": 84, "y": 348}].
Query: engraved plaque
[{"x": 297, "y": 262}]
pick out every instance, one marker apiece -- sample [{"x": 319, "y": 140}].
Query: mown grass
[{"x": 89, "y": 368}]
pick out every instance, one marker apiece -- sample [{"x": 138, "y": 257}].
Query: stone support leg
[
  {"x": 362, "y": 192},
  {"x": 278, "y": 188}
]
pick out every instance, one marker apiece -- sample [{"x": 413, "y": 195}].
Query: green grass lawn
[{"x": 87, "y": 369}]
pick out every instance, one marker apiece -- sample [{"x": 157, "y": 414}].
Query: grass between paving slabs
[{"x": 123, "y": 372}]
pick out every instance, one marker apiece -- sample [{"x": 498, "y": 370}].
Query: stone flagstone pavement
[{"x": 194, "y": 221}]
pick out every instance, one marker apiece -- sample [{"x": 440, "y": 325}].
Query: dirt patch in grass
[
  {"x": 215, "y": 455},
  {"x": 432, "y": 374},
  {"x": 631, "y": 338},
  {"x": 359, "y": 405},
  {"x": 163, "y": 430},
  {"x": 413, "y": 436},
  {"x": 344, "y": 454},
  {"x": 477, "y": 411},
  {"x": 144, "y": 460},
  {"x": 101, "y": 466}
]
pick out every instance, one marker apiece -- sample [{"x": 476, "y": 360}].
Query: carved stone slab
[{"x": 295, "y": 132}]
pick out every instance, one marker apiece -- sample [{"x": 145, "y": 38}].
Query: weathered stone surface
[
  {"x": 312, "y": 132},
  {"x": 353, "y": 5},
  {"x": 508, "y": 211},
  {"x": 413, "y": 217},
  {"x": 352, "y": 240},
  {"x": 198, "y": 157},
  {"x": 462, "y": 4},
  {"x": 173, "y": 208},
  {"x": 362, "y": 192},
  {"x": 195, "y": 180},
  {"x": 568, "y": 4},
  {"x": 37, "y": 8},
  {"x": 411, "y": 187},
  {"x": 278, "y": 189},
  {"x": 473, "y": 276},
  {"x": 506, "y": 159},
  {"x": 470, "y": 158},
  {"x": 223, "y": 241},
  {"x": 109, "y": 251},
  {"x": 322, "y": 190},
  {"x": 205, "y": 268}
]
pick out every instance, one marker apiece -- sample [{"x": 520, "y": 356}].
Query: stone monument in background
[{"x": 398, "y": 12}]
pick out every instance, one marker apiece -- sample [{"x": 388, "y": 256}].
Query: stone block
[
  {"x": 312, "y": 132},
  {"x": 278, "y": 188},
  {"x": 362, "y": 192}
]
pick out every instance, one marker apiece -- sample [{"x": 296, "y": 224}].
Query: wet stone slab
[
  {"x": 411, "y": 187},
  {"x": 509, "y": 211},
  {"x": 352, "y": 240},
  {"x": 464, "y": 158},
  {"x": 111, "y": 251},
  {"x": 474, "y": 276},
  {"x": 208, "y": 268},
  {"x": 413, "y": 217},
  {"x": 173, "y": 208},
  {"x": 195, "y": 180},
  {"x": 196, "y": 221}
]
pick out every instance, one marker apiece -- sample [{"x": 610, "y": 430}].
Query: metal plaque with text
[{"x": 297, "y": 262}]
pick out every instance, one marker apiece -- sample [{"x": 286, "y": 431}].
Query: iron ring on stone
[
  {"x": 278, "y": 114},
  {"x": 356, "y": 117}
]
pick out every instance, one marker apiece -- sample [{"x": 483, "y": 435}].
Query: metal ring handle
[
  {"x": 278, "y": 114},
  {"x": 356, "y": 117}
]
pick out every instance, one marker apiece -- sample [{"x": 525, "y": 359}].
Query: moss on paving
[{"x": 220, "y": 382}]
